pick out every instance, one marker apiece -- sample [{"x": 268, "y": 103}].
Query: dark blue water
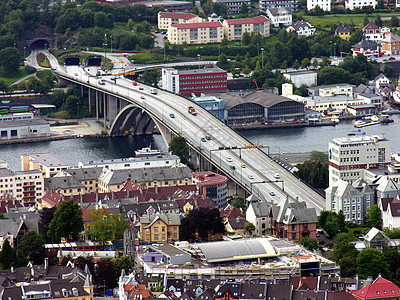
[{"x": 289, "y": 140}]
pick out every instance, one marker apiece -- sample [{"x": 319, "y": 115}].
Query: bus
[
  {"x": 18, "y": 109},
  {"x": 3, "y": 109}
]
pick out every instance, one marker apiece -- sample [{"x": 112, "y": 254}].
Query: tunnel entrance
[{"x": 40, "y": 44}]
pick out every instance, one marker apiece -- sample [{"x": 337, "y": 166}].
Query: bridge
[{"x": 125, "y": 106}]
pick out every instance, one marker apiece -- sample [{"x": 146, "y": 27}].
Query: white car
[
  {"x": 229, "y": 159},
  {"x": 251, "y": 176},
  {"x": 276, "y": 175}
]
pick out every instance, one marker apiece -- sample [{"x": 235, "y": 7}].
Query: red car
[{"x": 134, "y": 83}]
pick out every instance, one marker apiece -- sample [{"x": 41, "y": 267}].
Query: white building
[
  {"x": 47, "y": 163},
  {"x": 234, "y": 28},
  {"x": 25, "y": 186},
  {"x": 234, "y": 6},
  {"x": 348, "y": 156},
  {"x": 353, "y": 199},
  {"x": 134, "y": 163},
  {"x": 166, "y": 19},
  {"x": 24, "y": 129},
  {"x": 323, "y": 4},
  {"x": 352, "y": 4},
  {"x": 280, "y": 16},
  {"x": 196, "y": 33},
  {"x": 308, "y": 78},
  {"x": 302, "y": 28},
  {"x": 258, "y": 214}
]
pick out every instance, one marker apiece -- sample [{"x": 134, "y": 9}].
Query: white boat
[
  {"x": 335, "y": 119},
  {"x": 391, "y": 111},
  {"x": 375, "y": 118},
  {"x": 359, "y": 123},
  {"x": 147, "y": 151}
]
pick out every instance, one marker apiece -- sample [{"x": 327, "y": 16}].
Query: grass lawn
[
  {"x": 43, "y": 61},
  {"x": 150, "y": 58},
  {"x": 328, "y": 20},
  {"x": 21, "y": 73},
  {"x": 358, "y": 231}
]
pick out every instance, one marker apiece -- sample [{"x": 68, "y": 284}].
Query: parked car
[
  {"x": 229, "y": 159},
  {"x": 172, "y": 116}
]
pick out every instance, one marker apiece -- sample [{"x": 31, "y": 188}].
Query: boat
[
  {"x": 364, "y": 124},
  {"x": 356, "y": 132},
  {"x": 147, "y": 151},
  {"x": 391, "y": 111},
  {"x": 335, "y": 119},
  {"x": 375, "y": 118}
]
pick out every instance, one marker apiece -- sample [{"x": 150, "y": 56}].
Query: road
[{"x": 252, "y": 168}]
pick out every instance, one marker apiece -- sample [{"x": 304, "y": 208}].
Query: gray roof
[
  {"x": 47, "y": 159},
  {"x": 168, "y": 249},
  {"x": 145, "y": 174},
  {"x": 89, "y": 173},
  {"x": 236, "y": 250},
  {"x": 278, "y": 11},
  {"x": 62, "y": 182},
  {"x": 31, "y": 218},
  {"x": 301, "y": 24},
  {"x": 365, "y": 44},
  {"x": 169, "y": 219},
  {"x": 23, "y": 123},
  {"x": 237, "y": 223},
  {"x": 261, "y": 209},
  {"x": 10, "y": 226},
  {"x": 259, "y": 97}
]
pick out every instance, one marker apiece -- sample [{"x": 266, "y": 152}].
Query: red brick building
[{"x": 194, "y": 81}]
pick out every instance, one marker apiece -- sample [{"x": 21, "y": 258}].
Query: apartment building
[
  {"x": 166, "y": 19},
  {"x": 372, "y": 32},
  {"x": 391, "y": 44},
  {"x": 212, "y": 185},
  {"x": 352, "y": 4},
  {"x": 348, "y": 156},
  {"x": 47, "y": 163},
  {"x": 280, "y": 16},
  {"x": 160, "y": 228},
  {"x": 234, "y": 28},
  {"x": 196, "y": 33},
  {"x": 268, "y": 4},
  {"x": 195, "y": 81},
  {"x": 323, "y": 4},
  {"x": 234, "y": 6},
  {"x": 25, "y": 186}
]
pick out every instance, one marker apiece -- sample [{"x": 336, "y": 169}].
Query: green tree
[
  {"x": 366, "y": 20},
  {"x": 319, "y": 156},
  {"x": 374, "y": 217},
  {"x": 67, "y": 222},
  {"x": 219, "y": 8},
  {"x": 378, "y": 21},
  {"x": 9, "y": 60},
  {"x": 4, "y": 87},
  {"x": 32, "y": 245},
  {"x": 106, "y": 273},
  {"x": 305, "y": 63},
  {"x": 246, "y": 38},
  {"x": 179, "y": 147},
  {"x": 310, "y": 243},
  {"x": 393, "y": 233},
  {"x": 296, "y": 64},
  {"x": 8, "y": 255},
  {"x": 151, "y": 77},
  {"x": 348, "y": 267},
  {"x": 123, "y": 263},
  {"x": 371, "y": 262},
  {"x": 388, "y": 70},
  {"x": 249, "y": 228},
  {"x": 105, "y": 227},
  {"x": 223, "y": 62},
  {"x": 394, "y": 21},
  {"x": 392, "y": 257},
  {"x": 2, "y": 217},
  {"x": 244, "y": 11},
  {"x": 201, "y": 222}
]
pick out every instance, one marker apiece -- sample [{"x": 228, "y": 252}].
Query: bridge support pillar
[
  {"x": 97, "y": 106},
  {"x": 105, "y": 109},
  {"x": 165, "y": 132},
  {"x": 89, "y": 101}
]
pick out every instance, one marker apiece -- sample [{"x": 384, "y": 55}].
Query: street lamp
[
  {"x": 24, "y": 51},
  {"x": 198, "y": 56},
  {"x": 111, "y": 43},
  {"x": 105, "y": 48},
  {"x": 262, "y": 57}
]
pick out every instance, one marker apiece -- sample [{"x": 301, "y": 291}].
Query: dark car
[
  {"x": 392, "y": 58},
  {"x": 172, "y": 116}
]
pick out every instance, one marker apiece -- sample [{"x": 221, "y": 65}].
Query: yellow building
[
  {"x": 196, "y": 33},
  {"x": 343, "y": 31},
  {"x": 166, "y": 19},
  {"x": 234, "y": 28},
  {"x": 159, "y": 228}
]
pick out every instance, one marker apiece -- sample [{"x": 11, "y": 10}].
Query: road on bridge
[{"x": 252, "y": 168}]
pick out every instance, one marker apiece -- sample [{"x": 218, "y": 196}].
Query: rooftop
[
  {"x": 359, "y": 139},
  {"x": 21, "y": 123},
  {"x": 201, "y": 71},
  {"x": 177, "y": 15},
  {"x": 197, "y": 25},
  {"x": 256, "y": 20},
  {"x": 46, "y": 159}
]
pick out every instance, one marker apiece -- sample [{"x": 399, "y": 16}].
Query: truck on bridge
[{"x": 192, "y": 111}]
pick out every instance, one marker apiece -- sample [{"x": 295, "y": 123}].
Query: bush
[{"x": 30, "y": 70}]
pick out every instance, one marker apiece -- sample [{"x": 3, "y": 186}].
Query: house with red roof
[
  {"x": 137, "y": 291},
  {"x": 234, "y": 28},
  {"x": 8, "y": 203},
  {"x": 380, "y": 288},
  {"x": 196, "y": 33},
  {"x": 166, "y": 19},
  {"x": 372, "y": 32}
]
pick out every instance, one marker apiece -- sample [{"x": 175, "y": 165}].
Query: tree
[
  {"x": 67, "y": 222},
  {"x": 4, "y": 87},
  {"x": 388, "y": 70},
  {"x": 374, "y": 217},
  {"x": 319, "y": 156},
  {"x": 32, "y": 245},
  {"x": 244, "y": 11},
  {"x": 9, "y": 60},
  {"x": 223, "y": 62},
  {"x": 123, "y": 263},
  {"x": 45, "y": 217},
  {"x": 305, "y": 63},
  {"x": 8, "y": 256},
  {"x": 394, "y": 21},
  {"x": 106, "y": 273},
  {"x": 202, "y": 222},
  {"x": 310, "y": 243},
  {"x": 392, "y": 257},
  {"x": 296, "y": 64},
  {"x": 344, "y": 248},
  {"x": 348, "y": 267},
  {"x": 371, "y": 262},
  {"x": 246, "y": 38},
  {"x": 105, "y": 227},
  {"x": 219, "y": 8},
  {"x": 378, "y": 21},
  {"x": 2, "y": 217},
  {"x": 151, "y": 77},
  {"x": 179, "y": 147},
  {"x": 249, "y": 228}
]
